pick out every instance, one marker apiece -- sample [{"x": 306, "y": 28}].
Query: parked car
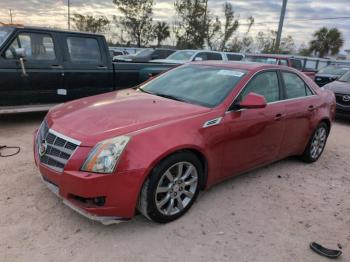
[
  {"x": 286, "y": 60},
  {"x": 185, "y": 56},
  {"x": 145, "y": 55},
  {"x": 40, "y": 67},
  {"x": 154, "y": 148},
  {"x": 117, "y": 52},
  {"x": 330, "y": 73},
  {"x": 341, "y": 89}
]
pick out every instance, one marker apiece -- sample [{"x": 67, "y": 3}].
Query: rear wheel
[
  {"x": 171, "y": 188},
  {"x": 316, "y": 144}
]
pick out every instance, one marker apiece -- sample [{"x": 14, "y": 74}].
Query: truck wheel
[
  {"x": 171, "y": 188},
  {"x": 316, "y": 144}
]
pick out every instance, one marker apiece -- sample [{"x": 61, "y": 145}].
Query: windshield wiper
[
  {"x": 143, "y": 90},
  {"x": 171, "y": 97},
  {"x": 163, "y": 95}
]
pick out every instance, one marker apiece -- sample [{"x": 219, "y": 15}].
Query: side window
[
  {"x": 310, "y": 64},
  {"x": 265, "y": 84},
  {"x": 84, "y": 50},
  {"x": 214, "y": 56},
  {"x": 36, "y": 47},
  {"x": 295, "y": 86},
  {"x": 201, "y": 55},
  {"x": 296, "y": 63},
  {"x": 234, "y": 57},
  {"x": 283, "y": 62}
]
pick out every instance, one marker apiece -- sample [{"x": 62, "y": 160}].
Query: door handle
[
  {"x": 56, "y": 67},
  {"x": 102, "y": 67},
  {"x": 279, "y": 116}
]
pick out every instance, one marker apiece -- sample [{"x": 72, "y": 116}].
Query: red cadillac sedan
[{"x": 153, "y": 148}]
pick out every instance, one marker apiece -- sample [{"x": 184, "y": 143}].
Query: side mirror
[
  {"x": 198, "y": 59},
  {"x": 20, "y": 52},
  {"x": 253, "y": 100}
]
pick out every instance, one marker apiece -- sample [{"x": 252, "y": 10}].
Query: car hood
[
  {"x": 97, "y": 118},
  {"x": 339, "y": 87}
]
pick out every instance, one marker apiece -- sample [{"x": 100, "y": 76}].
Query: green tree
[
  {"x": 326, "y": 41},
  {"x": 161, "y": 31},
  {"x": 230, "y": 26},
  {"x": 136, "y": 19},
  {"x": 191, "y": 28},
  {"x": 89, "y": 23}
]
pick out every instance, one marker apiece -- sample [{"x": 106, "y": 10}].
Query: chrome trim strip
[{"x": 72, "y": 140}]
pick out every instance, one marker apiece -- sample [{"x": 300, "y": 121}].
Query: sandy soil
[{"x": 271, "y": 214}]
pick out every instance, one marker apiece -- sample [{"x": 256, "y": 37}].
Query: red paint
[{"x": 244, "y": 139}]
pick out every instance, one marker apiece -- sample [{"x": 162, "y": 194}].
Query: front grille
[
  {"x": 54, "y": 149},
  {"x": 340, "y": 99}
]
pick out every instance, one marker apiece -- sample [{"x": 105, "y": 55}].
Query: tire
[
  {"x": 172, "y": 187},
  {"x": 316, "y": 144}
]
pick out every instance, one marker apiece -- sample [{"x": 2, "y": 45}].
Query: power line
[{"x": 302, "y": 19}]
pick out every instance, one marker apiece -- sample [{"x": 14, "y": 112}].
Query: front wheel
[
  {"x": 316, "y": 145},
  {"x": 172, "y": 188}
]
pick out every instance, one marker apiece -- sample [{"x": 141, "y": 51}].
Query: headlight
[{"x": 105, "y": 155}]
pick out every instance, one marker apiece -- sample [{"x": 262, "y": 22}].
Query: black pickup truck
[{"x": 41, "y": 67}]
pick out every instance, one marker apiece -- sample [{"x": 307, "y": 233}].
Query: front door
[
  {"x": 254, "y": 136},
  {"x": 42, "y": 77}
]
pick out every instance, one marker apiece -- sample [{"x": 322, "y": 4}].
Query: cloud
[{"x": 53, "y": 13}]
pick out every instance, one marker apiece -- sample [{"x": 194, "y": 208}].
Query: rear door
[
  {"x": 87, "y": 67},
  {"x": 301, "y": 105},
  {"x": 43, "y": 68}
]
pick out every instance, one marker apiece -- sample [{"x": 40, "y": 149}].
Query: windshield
[
  {"x": 334, "y": 70},
  {"x": 345, "y": 77},
  {"x": 181, "y": 55},
  {"x": 4, "y": 34},
  {"x": 261, "y": 59},
  {"x": 197, "y": 84},
  {"x": 145, "y": 52}
]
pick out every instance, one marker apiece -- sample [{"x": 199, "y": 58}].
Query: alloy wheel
[
  {"x": 318, "y": 142},
  {"x": 176, "y": 188}
]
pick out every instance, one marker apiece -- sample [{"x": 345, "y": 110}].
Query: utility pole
[
  {"x": 280, "y": 26},
  {"x": 11, "y": 16},
  {"x": 68, "y": 14}
]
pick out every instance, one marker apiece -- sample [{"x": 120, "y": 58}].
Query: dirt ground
[{"x": 271, "y": 214}]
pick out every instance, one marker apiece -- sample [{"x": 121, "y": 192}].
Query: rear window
[
  {"x": 84, "y": 50},
  {"x": 214, "y": 56},
  {"x": 234, "y": 57},
  {"x": 261, "y": 59},
  {"x": 297, "y": 64}
]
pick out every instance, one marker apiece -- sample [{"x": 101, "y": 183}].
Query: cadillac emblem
[{"x": 43, "y": 148}]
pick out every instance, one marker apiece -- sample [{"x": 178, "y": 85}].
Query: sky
[{"x": 53, "y": 13}]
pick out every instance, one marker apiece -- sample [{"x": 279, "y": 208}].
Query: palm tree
[
  {"x": 327, "y": 41},
  {"x": 161, "y": 31}
]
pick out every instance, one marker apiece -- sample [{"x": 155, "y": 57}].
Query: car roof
[
  {"x": 250, "y": 66},
  {"x": 49, "y": 29}
]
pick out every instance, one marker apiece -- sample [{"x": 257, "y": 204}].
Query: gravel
[{"x": 270, "y": 214}]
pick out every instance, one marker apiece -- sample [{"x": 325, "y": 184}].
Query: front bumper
[
  {"x": 105, "y": 220},
  {"x": 120, "y": 191}
]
